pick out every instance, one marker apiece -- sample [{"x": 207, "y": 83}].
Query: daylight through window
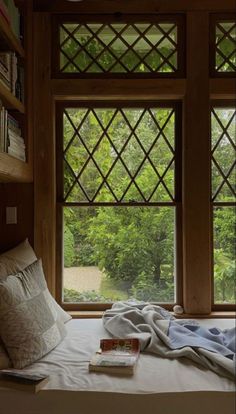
[{"x": 120, "y": 202}]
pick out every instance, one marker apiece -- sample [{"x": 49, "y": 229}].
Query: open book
[
  {"x": 22, "y": 381},
  {"x": 118, "y": 356}
]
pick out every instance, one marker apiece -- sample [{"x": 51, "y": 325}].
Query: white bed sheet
[{"x": 159, "y": 386}]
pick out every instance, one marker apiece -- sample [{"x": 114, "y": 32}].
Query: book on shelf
[
  {"x": 12, "y": 74},
  {"x": 4, "y": 12},
  {"x": 11, "y": 140},
  {"x": 116, "y": 356},
  {"x": 3, "y": 128},
  {"x": 16, "y": 153},
  {"x": 23, "y": 381},
  {"x": 14, "y": 17},
  {"x": 5, "y": 69}
]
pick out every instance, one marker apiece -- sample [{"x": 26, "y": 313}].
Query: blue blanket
[{"x": 213, "y": 339}]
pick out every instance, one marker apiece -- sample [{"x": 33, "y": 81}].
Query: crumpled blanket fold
[{"x": 160, "y": 333}]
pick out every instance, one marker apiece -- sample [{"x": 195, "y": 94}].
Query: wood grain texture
[
  {"x": 21, "y": 196},
  {"x": 14, "y": 170},
  {"x": 44, "y": 150},
  {"x": 222, "y": 88},
  {"x": 28, "y": 12},
  {"x": 70, "y": 89},
  {"x": 132, "y": 6},
  {"x": 196, "y": 175}
]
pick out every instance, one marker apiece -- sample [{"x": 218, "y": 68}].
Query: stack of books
[
  {"x": 11, "y": 140},
  {"x": 16, "y": 145},
  {"x": 3, "y": 128},
  {"x": 11, "y": 74},
  {"x": 116, "y": 356}
]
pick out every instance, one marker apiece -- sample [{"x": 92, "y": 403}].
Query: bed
[{"x": 159, "y": 386}]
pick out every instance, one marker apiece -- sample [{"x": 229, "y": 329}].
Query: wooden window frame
[
  {"x": 217, "y": 18},
  {"x": 178, "y": 19},
  {"x": 221, "y": 103},
  {"x": 60, "y": 106},
  {"x": 195, "y": 91}
]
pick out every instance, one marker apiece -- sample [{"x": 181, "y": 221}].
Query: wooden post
[
  {"x": 196, "y": 164},
  {"x": 44, "y": 150}
]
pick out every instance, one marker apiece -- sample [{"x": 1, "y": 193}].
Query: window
[
  {"x": 223, "y": 50},
  {"x": 122, "y": 46},
  {"x": 113, "y": 172},
  {"x": 120, "y": 200},
  {"x": 223, "y": 154}
]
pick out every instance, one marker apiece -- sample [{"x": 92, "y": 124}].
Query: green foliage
[
  {"x": 224, "y": 229},
  {"x": 225, "y": 272},
  {"x": 73, "y": 296},
  {"x": 224, "y": 254},
  {"x": 69, "y": 248},
  {"x": 134, "y": 246}
]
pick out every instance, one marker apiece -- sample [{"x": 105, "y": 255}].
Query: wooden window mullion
[{"x": 196, "y": 171}]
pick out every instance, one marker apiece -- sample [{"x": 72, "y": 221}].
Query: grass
[{"x": 115, "y": 290}]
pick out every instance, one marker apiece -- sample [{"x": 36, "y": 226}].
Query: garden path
[{"x": 82, "y": 278}]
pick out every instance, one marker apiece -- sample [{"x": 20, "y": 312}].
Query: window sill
[{"x": 212, "y": 315}]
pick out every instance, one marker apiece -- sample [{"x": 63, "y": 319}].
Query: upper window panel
[
  {"x": 119, "y": 154},
  {"x": 120, "y": 48},
  {"x": 224, "y": 58}
]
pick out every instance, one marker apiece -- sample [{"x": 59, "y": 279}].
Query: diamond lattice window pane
[
  {"x": 225, "y": 47},
  {"x": 119, "y": 48},
  {"x": 118, "y": 155},
  {"x": 223, "y": 143}
]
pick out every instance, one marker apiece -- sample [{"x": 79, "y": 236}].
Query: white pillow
[
  {"x": 13, "y": 261},
  {"x": 16, "y": 259},
  {"x": 29, "y": 325}
]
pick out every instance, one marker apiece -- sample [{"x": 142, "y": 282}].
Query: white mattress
[{"x": 159, "y": 386}]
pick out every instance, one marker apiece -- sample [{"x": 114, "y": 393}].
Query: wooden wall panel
[
  {"x": 44, "y": 150},
  {"x": 196, "y": 176},
  {"x": 132, "y": 6},
  {"x": 21, "y": 196}
]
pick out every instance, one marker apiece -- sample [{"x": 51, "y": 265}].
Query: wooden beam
[
  {"x": 63, "y": 89},
  {"x": 196, "y": 165},
  {"x": 44, "y": 150},
  {"x": 132, "y": 6},
  {"x": 222, "y": 88}
]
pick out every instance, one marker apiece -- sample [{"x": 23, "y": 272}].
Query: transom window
[
  {"x": 121, "y": 47},
  {"x": 223, "y": 53}
]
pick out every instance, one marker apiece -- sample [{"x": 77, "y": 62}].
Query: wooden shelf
[
  {"x": 8, "y": 41},
  {"x": 11, "y": 169},
  {"x": 9, "y": 100},
  {"x": 14, "y": 170}
]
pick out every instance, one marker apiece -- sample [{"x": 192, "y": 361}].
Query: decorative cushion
[
  {"x": 29, "y": 325},
  {"x": 16, "y": 259}
]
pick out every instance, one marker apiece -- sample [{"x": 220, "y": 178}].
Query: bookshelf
[
  {"x": 8, "y": 40},
  {"x": 11, "y": 168}
]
